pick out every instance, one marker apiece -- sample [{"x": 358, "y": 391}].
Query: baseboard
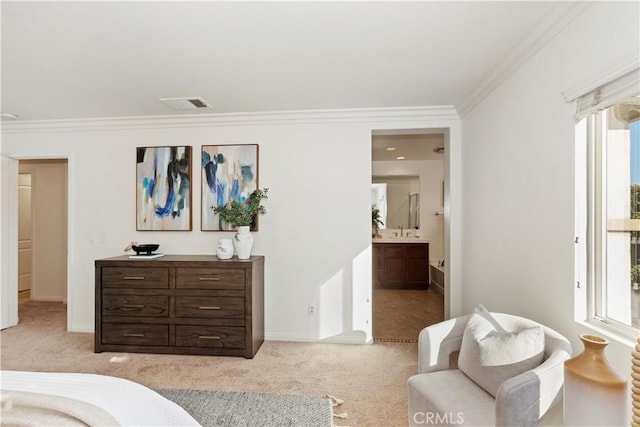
[
  {"x": 352, "y": 337},
  {"x": 437, "y": 287},
  {"x": 90, "y": 329},
  {"x": 47, "y": 299},
  {"x": 355, "y": 337}
]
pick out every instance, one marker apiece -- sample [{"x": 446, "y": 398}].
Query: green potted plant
[
  {"x": 376, "y": 222},
  {"x": 242, "y": 215}
]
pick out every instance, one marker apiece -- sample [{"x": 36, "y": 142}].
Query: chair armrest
[
  {"x": 437, "y": 342},
  {"x": 525, "y": 398}
]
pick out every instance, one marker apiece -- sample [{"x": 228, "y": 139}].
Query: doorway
[
  {"x": 42, "y": 232},
  {"x": 415, "y": 159}
]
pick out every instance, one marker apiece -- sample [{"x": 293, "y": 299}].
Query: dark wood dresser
[
  {"x": 180, "y": 304},
  {"x": 400, "y": 265}
]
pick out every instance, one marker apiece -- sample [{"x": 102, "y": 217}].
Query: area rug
[{"x": 222, "y": 408}]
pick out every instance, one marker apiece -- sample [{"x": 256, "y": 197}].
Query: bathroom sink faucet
[{"x": 401, "y": 230}]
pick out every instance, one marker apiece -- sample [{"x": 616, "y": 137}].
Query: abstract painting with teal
[
  {"x": 229, "y": 173},
  {"x": 163, "y": 184}
]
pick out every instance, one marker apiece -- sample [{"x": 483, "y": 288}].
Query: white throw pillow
[{"x": 490, "y": 355}]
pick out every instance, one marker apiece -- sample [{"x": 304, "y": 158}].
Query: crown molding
[
  {"x": 418, "y": 114},
  {"x": 554, "y": 21}
]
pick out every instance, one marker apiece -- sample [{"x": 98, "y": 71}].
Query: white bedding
[{"x": 127, "y": 402}]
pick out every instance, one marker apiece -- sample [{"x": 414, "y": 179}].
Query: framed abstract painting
[
  {"x": 163, "y": 188},
  {"x": 229, "y": 173}
]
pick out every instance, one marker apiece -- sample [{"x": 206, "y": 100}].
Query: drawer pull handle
[
  {"x": 205, "y": 307},
  {"x": 133, "y": 277},
  {"x": 210, "y": 279},
  {"x": 133, "y": 335},
  {"x": 133, "y": 306},
  {"x": 209, "y": 337}
]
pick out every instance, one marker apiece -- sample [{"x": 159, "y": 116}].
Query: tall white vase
[{"x": 243, "y": 241}]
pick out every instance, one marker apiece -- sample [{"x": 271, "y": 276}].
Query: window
[{"x": 608, "y": 146}]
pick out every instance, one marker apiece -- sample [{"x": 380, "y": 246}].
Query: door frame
[
  {"x": 452, "y": 208},
  {"x": 9, "y": 245}
]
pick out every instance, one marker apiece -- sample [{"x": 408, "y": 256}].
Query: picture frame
[
  {"x": 229, "y": 173},
  {"x": 163, "y": 188}
]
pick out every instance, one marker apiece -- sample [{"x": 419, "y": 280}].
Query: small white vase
[
  {"x": 243, "y": 241},
  {"x": 224, "y": 248}
]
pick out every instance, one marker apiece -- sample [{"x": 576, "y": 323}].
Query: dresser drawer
[
  {"x": 131, "y": 334},
  {"x": 209, "y": 278},
  {"x": 135, "y": 305},
  {"x": 209, "y": 336},
  {"x": 135, "y": 277},
  {"x": 210, "y": 307}
]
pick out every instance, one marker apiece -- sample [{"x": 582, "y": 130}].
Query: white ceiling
[
  {"x": 63, "y": 60},
  {"x": 413, "y": 146}
]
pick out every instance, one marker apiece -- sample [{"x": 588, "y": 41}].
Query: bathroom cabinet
[
  {"x": 180, "y": 304},
  {"x": 401, "y": 265}
]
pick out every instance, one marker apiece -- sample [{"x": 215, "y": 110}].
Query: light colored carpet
[
  {"x": 371, "y": 379},
  {"x": 232, "y": 409}
]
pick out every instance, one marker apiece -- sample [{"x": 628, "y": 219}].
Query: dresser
[{"x": 180, "y": 304}]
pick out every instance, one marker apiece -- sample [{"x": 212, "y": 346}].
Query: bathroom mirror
[{"x": 398, "y": 198}]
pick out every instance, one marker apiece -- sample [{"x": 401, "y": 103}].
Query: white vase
[
  {"x": 224, "y": 248},
  {"x": 243, "y": 241}
]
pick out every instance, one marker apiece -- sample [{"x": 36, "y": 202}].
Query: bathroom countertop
[{"x": 399, "y": 240}]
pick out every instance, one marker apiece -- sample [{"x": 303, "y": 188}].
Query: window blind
[{"x": 608, "y": 94}]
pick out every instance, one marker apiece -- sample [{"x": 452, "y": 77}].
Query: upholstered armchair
[{"x": 444, "y": 393}]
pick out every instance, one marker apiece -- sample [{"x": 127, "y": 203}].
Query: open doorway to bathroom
[
  {"x": 408, "y": 193},
  {"x": 42, "y": 238}
]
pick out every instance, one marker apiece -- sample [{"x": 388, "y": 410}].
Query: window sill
[{"x": 608, "y": 332}]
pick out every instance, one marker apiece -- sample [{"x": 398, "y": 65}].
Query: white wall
[
  {"x": 431, "y": 173},
  {"x": 49, "y": 196},
  {"x": 518, "y": 176},
  {"x": 316, "y": 235}
]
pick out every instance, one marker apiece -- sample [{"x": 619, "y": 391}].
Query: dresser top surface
[{"x": 170, "y": 259}]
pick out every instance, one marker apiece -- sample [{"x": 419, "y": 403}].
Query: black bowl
[{"x": 145, "y": 249}]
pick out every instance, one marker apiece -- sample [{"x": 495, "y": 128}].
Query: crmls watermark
[{"x": 434, "y": 418}]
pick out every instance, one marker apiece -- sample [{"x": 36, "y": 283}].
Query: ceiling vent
[{"x": 190, "y": 103}]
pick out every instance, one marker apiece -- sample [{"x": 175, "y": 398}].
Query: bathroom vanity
[{"x": 401, "y": 263}]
